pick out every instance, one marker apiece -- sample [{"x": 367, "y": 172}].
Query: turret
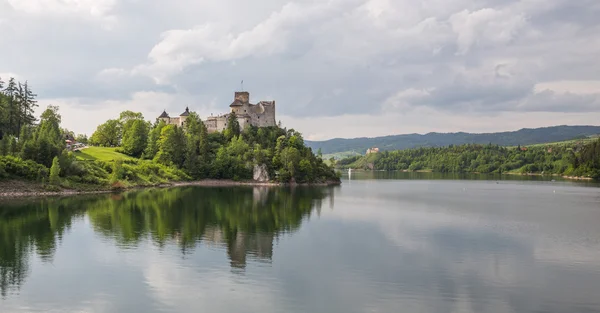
[
  {"x": 164, "y": 116},
  {"x": 242, "y": 96}
]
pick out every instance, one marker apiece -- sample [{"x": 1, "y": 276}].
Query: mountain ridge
[{"x": 523, "y": 136}]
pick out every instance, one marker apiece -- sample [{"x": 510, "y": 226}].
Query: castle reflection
[{"x": 243, "y": 220}]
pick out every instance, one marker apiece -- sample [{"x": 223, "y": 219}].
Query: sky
[{"x": 336, "y": 68}]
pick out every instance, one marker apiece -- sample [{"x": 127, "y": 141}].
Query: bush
[
  {"x": 14, "y": 167},
  {"x": 55, "y": 172}
]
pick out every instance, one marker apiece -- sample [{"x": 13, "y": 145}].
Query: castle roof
[
  {"x": 186, "y": 113},
  {"x": 164, "y": 114},
  {"x": 236, "y": 103}
]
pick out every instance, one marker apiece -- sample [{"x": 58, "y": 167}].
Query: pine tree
[
  {"x": 233, "y": 127},
  {"x": 10, "y": 93},
  {"x": 29, "y": 104}
]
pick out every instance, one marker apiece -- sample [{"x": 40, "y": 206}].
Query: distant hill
[{"x": 525, "y": 136}]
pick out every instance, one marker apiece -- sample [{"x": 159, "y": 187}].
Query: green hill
[
  {"x": 100, "y": 154},
  {"x": 579, "y": 158},
  {"x": 524, "y": 136}
]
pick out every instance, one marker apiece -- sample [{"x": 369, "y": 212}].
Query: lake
[{"x": 378, "y": 243}]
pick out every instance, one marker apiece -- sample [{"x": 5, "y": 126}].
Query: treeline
[
  {"x": 572, "y": 160},
  {"x": 31, "y": 147},
  {"x": 231, "y": 154}
]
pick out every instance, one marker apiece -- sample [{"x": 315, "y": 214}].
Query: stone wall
[
  {"x": 261, "y": 114},
  {"x": 173, "y": 120}
]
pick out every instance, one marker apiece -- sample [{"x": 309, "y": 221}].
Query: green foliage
[
  {"x": 171, "y": 146},
  {"x": 47, "y": 141},
  {"x": 15, "y": 167},
  {"x": 576, "y": 158},
  {"x": 135, "y": 137},
  {"x": 17, "y": 104},
  {"x": 117, "y": 171},
  {"x": 55, "y": 172},
  {"x": 153, "y": 138},
  {"x": 233, "y": 126},
  {"x": 107, "y": 134},
  {"x": 82, "y": 138}
]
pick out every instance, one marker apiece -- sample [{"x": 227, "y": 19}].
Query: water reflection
[{"x": 245, "y": 221}]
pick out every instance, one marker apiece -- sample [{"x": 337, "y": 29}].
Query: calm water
[{"x": 371, "y": 245}]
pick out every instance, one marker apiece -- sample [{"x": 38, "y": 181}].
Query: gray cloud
[{"x": 316, "y": 58}]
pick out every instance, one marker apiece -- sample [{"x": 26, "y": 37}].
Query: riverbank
[
  {"x": 18, "y": 188},
  {"x": 501, "y": 174}
]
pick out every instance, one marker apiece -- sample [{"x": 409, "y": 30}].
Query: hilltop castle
[{"x": 261, "y": 114}]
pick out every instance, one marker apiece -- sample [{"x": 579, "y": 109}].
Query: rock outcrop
[{"x": 260, "y": 173}]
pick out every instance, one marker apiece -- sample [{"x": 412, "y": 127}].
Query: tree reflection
[{"x": 243, "y": 220}]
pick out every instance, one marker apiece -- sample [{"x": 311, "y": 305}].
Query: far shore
[
  {"x": 478, "y": 173},
  {"x": 20, "y": 189}
]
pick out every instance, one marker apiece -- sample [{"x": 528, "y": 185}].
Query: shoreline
[
  {"x": 21, "y": 189},
  {"x": 477, "y": 173}
]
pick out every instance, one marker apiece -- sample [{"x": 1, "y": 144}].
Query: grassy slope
[{"x": 101, "y": 154}]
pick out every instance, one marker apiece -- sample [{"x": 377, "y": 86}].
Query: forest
[
  {"x": 159, "y": 153},
  {"x": 575, "y": 158}
]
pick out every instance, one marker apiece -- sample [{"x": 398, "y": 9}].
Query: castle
[{"x": 261, "y": 114}]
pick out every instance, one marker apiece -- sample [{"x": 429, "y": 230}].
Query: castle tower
[
  {"x": 165, "y": 117},
  {"x": 242, "y": 96},
  {"x": 183, "y": 116},
  {"x": 240, "y": 99}
]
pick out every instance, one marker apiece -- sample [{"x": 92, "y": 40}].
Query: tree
[
  {"x": 107, "y": 134},
  {"x": 50, "y": 126},
  {"x": 127, "y": 118},
  {"x": 233, "y": 127},
  {"x": 82, "y": 138},
  {"x": 153, "y": 138},
  {"x": 47, "y": 141},
  {"x": 117, "y": 171},
  {"x": 55, "y": 172},
  {"x": 26, "y": 103},
  {"x": 4, "y": 143},
  {"x": 193, "y": 126},
  {"x": 11, "y": 105},
  {"x": 170, "y": 146},
  {"x": 135, "y": 138}
]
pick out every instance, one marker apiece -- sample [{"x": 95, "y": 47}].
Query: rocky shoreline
[{"x": 19, "y": 189}]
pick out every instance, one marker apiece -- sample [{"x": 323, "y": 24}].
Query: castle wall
[
  {"x": 259, "y": 115},
  {"x": 172, "y": 121}
]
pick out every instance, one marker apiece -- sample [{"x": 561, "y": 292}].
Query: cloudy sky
[{"x": 336, "y": 68}]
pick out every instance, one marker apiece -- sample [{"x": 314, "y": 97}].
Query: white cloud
[
  {"x": 425, "y": 120},
  {"x": 94, "y": 8},
  {"x": 485, "y": 27},
  {"x": 565, "y": 86}
]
